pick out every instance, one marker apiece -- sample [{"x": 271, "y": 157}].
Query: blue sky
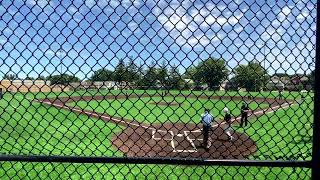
[{"x": 86, "y": 35}]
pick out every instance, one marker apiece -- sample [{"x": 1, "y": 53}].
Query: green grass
[
  {"x": 143, "y": 109},
  {"x": 287, "y": 95},
  {"x": 18, "y": 170},
  {"x": 31, "y": 128},
  {"x": 286, "y": 132}
]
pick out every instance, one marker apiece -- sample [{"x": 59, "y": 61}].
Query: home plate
[{"x": 179, "y": 135}]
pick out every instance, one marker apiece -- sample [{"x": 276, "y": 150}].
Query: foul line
[
  {"x": 94, "y": 114},
  {"x": 265, "y": 111}
]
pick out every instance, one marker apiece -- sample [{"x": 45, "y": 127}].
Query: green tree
[
  {"x": 10, "y": 76},
  {"x": 63, "y": 79},
  {"x": 175, "y": 81},
  {"x": 193, "y": 74},
  {"x": 41, "y": 77},
  {"x": 150, "y": 77},
  {"x": 29, "y": 78},
  {"x": 133, "y": 74},
  {"x": 120, "y": 72},
  {"x": 162, "y": 74},
  {"x": 102, "y": 75},
  {"x": 252, "y": 76},
  {"x": 211, "y": 71},
  {"x": 312, "y": 79}
]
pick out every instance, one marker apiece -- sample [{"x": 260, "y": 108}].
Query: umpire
[
  {"x": 206, "y": 120},
  {"x": 244, "y": 114}
]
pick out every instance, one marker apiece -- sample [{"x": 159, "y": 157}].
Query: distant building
[
  {"x": 299, "y": 80},
  {"x": 104, "y": 84},
  {"x": 223, "y": 85},
  {"x": 298, "y": 83},
  {"x": 30, "y": 86},
  {"x": 275, "y": 83},
  {"x": 93, "y": 85},
  {"x": 231, "y": 85}
]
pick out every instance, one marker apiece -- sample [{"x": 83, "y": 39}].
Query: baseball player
[
  {"x": 244, "y": 114},
  {"x": 206, "y": 120},
  {"x": 280, "y": 94},
  {"x": 227, "y": 128}
]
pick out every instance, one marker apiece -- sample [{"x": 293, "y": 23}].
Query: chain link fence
[{"x": 157, "y": 89}]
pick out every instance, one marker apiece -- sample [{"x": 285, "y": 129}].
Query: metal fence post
[{"x": 316, "y": 125}]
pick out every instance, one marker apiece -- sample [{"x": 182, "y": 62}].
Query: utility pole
[
  {"x": 264, "y": 54},
  {"x": 60, "y": 54}
]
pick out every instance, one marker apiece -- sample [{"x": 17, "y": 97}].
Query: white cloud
[
  {"x": 286, "y": 10},
  {"x": 31, "y": 2},
  {"x": 49, "y": 52},
  {"x": 2, "y": 41},
  {"x": 129, "y": 3},
  {"x": 182, "y": 24},
  {"x": 90, "y": 3},
  {"x": 132, "y": 26},
  {"x": 40, "y": 3},
  {"x": 72, "y": 9}
]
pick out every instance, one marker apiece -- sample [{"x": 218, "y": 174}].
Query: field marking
[
  {"x": 95, "y": 114},
  {"x": 172, "y": 141},
  {"x": 191, "y": 141}
]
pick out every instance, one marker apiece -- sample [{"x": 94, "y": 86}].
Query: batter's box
[
  {"x": 183, "y": 143},
  {"x": 162, "y": 135},
  {"x": 194, "y": 135}
]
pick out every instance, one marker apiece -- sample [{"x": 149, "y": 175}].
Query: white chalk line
[
  {"x": 191, "y": 140},
  {"x": 94, "y": 114}
]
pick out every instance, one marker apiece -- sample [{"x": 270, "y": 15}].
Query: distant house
[
  {"x": 275, "y": 83},
  {"x": 189, "y": 81},
  {"x": 223, "y": 85},
  {"x": 295, "y": 80},
  {"x": 93, "y": 85},
  {"x": 231, "y": 85},
  {"x": 104, "y": 84},
  {"x": 80, "y": 85},
  {"x": 299, "y": 82}
]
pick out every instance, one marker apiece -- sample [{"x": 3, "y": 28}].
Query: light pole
[{"x": 60, "y": 54}]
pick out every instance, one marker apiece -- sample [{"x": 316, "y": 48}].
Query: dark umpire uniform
[
  {"x": 244, "y": 114},
  {"x": 1, "y": 93},
  {"x": 206, "y": 120}
]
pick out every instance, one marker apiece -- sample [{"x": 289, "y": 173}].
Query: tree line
[
  {"x": 211, "y": 72},
  {"x": 154, "y": 75}
]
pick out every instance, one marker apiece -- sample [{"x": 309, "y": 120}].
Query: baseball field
[{"x": 152, "y": 123}]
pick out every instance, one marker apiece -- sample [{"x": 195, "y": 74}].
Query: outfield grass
[
  {"x": 31, "y": 128},
  {"x": 144, "y": 110},
  {"x": 267, "y": 94}
]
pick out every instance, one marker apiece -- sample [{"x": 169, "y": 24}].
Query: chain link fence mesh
[{"x": 165, "y": 79}]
